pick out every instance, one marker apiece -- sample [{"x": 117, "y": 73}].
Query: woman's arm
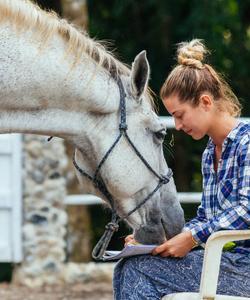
[{"x": 178, "y": 246}]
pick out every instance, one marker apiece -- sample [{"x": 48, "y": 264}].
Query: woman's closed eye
[{"x": 178, "y": 116}]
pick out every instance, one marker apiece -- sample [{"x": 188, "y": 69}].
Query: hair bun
[{"x": 191, "y": 53}]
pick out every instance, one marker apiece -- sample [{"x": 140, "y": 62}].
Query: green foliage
[
  {"x": 158, "y": 26},
  {"x": 50, "y": 5},
  {"x": 6, "y": 272}
]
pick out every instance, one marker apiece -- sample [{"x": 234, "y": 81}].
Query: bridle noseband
[{"x": 113, "y": 226}]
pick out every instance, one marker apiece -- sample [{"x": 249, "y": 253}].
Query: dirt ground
[{"x": 86, "y": 291}]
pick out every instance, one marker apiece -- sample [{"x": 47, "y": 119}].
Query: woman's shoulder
[
  {"x": 239, "y": 135},
  {"x": 244, "y": 127},
  {"x": 243, "y": 134},
  {"x": 243, "y": 144}
]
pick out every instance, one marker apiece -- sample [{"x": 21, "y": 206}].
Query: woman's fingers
[
  {"x": 129, "y": 239},
  {"x": 162, "y": 248},
  {"x": 165, "y": 254}
]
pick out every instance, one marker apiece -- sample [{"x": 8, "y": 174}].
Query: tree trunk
[{"x": 76, "y": 11}]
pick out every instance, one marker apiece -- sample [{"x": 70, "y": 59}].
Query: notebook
[{"x": 128, "y": 250}]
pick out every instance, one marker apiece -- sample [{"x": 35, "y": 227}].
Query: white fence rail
[
  {"x": 91, "y": 199},
  {"x": 183, "y": 197}
]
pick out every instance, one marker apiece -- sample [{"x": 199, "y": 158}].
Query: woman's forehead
[{"x": 173, "y": 104}]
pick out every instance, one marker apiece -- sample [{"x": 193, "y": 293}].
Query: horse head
[{"x": 131, "y": 165}]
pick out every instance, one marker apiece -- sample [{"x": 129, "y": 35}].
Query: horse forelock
[{"x": 26, "y": 15}]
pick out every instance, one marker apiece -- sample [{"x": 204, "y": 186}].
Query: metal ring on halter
[{"x": 113, "y": 226}]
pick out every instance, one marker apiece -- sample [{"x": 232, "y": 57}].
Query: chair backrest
[{"x": 212, "y": 258}]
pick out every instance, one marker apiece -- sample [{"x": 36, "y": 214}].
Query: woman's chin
[{"x": 197, "y": 136}]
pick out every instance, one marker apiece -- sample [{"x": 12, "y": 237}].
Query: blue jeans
[{"x": 152, "y": 277}]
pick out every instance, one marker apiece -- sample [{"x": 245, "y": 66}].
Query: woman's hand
[
  {"x": 178, "y": 246},
  {"x": 130, "y": 240}
]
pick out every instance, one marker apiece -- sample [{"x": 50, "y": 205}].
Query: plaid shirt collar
[{"x": 232, "y": 136}]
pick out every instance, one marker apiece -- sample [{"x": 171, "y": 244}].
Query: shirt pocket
[{"x": 227, "y": 193}]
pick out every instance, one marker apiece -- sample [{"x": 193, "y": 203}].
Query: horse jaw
[{"x": 171, "y": 210}]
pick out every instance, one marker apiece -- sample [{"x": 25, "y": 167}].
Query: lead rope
[{"x": 101, "y": 246}]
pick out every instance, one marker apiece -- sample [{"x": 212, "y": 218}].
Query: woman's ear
[{"x": 206, "y": 102}]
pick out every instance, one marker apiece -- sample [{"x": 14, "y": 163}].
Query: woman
[{"x": 202, "y": 104}]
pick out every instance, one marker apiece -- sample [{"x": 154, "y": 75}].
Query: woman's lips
[{"x": 188, "y": 131}]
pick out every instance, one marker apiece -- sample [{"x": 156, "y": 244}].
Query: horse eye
[{"x": 160, "y": 135}]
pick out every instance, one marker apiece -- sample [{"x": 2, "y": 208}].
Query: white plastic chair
[{"x": 211, "y": 267}]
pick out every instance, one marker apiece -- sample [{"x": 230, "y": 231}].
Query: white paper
[{"x": 129, "y": 250}]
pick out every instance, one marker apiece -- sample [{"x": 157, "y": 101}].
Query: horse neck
[{"x": 41, "y": 93}]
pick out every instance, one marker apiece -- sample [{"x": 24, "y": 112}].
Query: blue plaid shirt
[{"x": 225, "y": 200}]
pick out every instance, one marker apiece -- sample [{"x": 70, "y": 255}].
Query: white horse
[{"x": 57, "y": 81}]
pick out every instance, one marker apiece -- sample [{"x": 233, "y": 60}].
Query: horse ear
[{"x": 139, "y": 74}]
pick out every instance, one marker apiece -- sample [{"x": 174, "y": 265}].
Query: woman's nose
[{"x": 178, "y": 125}]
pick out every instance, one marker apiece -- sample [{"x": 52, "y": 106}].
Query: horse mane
[{"x": 26, "y": 15}]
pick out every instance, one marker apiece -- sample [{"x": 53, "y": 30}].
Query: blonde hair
[{"x": 191, "y": 77}]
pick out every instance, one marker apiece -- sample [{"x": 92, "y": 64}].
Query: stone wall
[{"x": 45, "y": 218}]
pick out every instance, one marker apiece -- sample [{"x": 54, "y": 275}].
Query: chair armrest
[{"x": 212, "y": 258}]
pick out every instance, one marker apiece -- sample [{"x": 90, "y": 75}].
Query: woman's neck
[{"x": 221, "y": 127}]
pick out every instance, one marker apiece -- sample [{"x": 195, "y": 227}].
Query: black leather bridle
[{"x": 113, "y": 226}]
